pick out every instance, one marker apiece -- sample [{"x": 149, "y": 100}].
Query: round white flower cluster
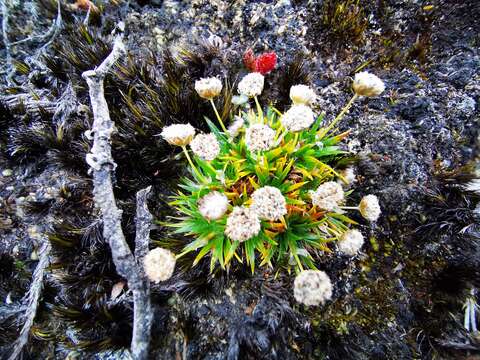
[
  {"x": 242, "y": 224},
  {"x": 328, "y": 195},
  {"x": 370, "y": 208},
  {"x": 159, "y": 264},
  {"x": 178, "y": 134},
  {"x": 259, "y": 137},
  {"x": 350, "y": 242},
  {"x": 302, "y": 94},
  {"x": 269, "y": 203},
  {"x": 235, "y": 127},
  {"x": 213, "y": 205},
  {"x": 298, "y": 118},
  {"x": 205, "y": 146},
  {"x": 251, "y": 85},
  {"x": 366, "y": 84},
  {"x": 312, "y": 287},
  {"x": 208, "y": 88},
  {"x": 349, "y": 175}
]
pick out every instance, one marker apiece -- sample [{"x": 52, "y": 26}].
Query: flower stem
[
  {"x": 218, "y": 115},
  {"x": 259, "y": 109},
  {"x": 199, "y": 175},
  {"x": 342, "y": 114},
  {"x": 295, "y": 139}
]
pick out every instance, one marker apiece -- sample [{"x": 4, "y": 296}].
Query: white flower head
[
  {"x": 312, "y": 287},
  {"x": 350, "y": 242},
  {"x": 234, "y": 129},
  {"x": 298, "y": 118},
  {"x": 208, "y": 88},
  {"x": 269, "y": 203},
  {"x": 242, "y": 224},
  {"x": 259, "y": 137},
  {"x": 213, "y": 205},
  {"x": 159, "y": 264},
  {"x": 328, "y": 195},
  {"x": 349, "y": 175},
  {"x": 205, "y": 146},
  {"x": 178, "y": 134},
  {"x": 302, "y": 94},
  {"x": 366, "y": 84},
  {"x": 370, "y": 208},
  {"x": 239, "y": 99},
  {"x": 251, "y": 85}
]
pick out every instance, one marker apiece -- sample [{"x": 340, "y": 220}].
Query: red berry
[
  {"x": 249, "y": 60},
  {"x": 266, "y": 62}
]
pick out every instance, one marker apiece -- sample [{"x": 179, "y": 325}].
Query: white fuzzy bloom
[
  {"x": 259, "y": 137},
  {"x": 205, "y": 146},
  {"x": 208, "y": 88},
  {"x": 159, "y": 264},
  {"x": 213, "y": 205},
  {"x": 242, "y": 224},
  {"x": 178, "y": 134},
  {"x": 350, "y": 242},
  {"x": 298, "y": 118},
  {"x": 239, "y": 99},
  {"x": 366, "y": 84},
  {"x": 302, "y": 94},
  {"x": 235, "y": 127},
  {"x": 349, "y": 175},
  {"x": 251, "y": 85},
  {"x": 312, "y": 287},
  {"x": 370, "y": 208},
  {"x": 269, "y": 203},
  {"x": 328, "y": 196}
]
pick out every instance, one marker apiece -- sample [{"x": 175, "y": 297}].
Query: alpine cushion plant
[{"x": 268, "y": 189}]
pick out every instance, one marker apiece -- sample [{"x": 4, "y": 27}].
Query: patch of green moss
[{"x": 345, "y": 20}]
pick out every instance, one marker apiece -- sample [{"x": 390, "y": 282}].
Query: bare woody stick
[
  {"x": 142, "y": 314},
  {"x": 33, "y": 300},
  {"x": 101, "y": 161}
]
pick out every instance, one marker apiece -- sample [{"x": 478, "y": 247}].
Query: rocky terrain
[{"x": 415, "y": 147}]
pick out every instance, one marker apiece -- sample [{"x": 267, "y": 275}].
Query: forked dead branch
[{"x": 102, "y": 165}]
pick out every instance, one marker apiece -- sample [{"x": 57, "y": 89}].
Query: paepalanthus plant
[{"x": 266, "y": 187}]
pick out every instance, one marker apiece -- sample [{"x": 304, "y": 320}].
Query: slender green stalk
[
  {"x": 199, "y": 175},
  {"x": 342, "y": 114},
  {"x": 295, "y": 139},
  {"x": 259, "y": 110},
  {"x": 218, "y": 116}
]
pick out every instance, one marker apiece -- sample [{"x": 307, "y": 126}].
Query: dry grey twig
[{"x": 102, "y": 164}]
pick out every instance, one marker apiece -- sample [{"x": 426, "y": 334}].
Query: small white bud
[
  {"x": 302, "y": 94},
  {"x": 259, "y": 137},
  {"x": 159, "y": 264},
  {"x": 312, "y": 287},
  {"x": 242, "y": 224},
  {"x": 251, "y": 85},
  {"x": 370, "y": 208},
  {"x": 298, "y": 118},
  {"x": 213, "y": 205},
  {"x": 328, "y": 196},
  {"x": 178, "y": 134},
  {"x": 208, "y": 88},
  {"x": 366, "y": 84},
  {"x": 350, "y": 242},
  {"x": 205, "y": 146},
  {"x": 269, "y": 203}
]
